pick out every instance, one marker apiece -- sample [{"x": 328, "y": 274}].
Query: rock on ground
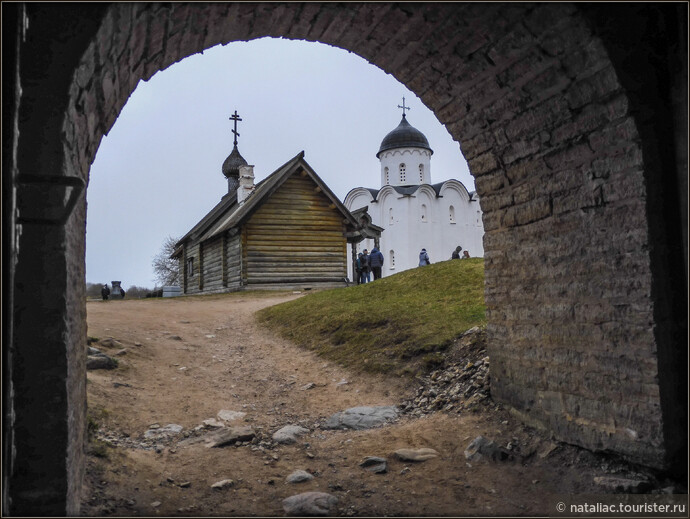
[
  {"x": 361, "y": 417},
  {"x": 375, "y": 464},
  {"x": 228, "y": 416},
  {"x": 163, "y": 432},
  {"x": 230, "y": 436},
  {"x": 289, "y": 434},
  {"x": 416, "y": 454},
  {"x": 299, "y": 476},
  {"x": 310, "y": 503},
  {"x": 480, "y": 447},
  {"x": 224, "y": 483},
  {"x": 100, "y": 361}
]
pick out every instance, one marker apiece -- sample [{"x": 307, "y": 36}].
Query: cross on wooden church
[
  {"x": 404, "y": 107},
  {"x": 235, "y": 117}
]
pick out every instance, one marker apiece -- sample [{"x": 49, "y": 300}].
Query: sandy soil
[{"x": 183, "y": 360}]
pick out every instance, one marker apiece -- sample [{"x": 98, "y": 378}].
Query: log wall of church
[
  {"x": 217, "y": 265},
  {"x": 191, "y": 276},
  {"x": 295, "y": 237},
  {"x": 233, "y": 262}
]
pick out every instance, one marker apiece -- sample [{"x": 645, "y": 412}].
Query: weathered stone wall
[{"x": 571, "y": 164}]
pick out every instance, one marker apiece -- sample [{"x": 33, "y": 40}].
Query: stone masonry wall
[
  {"x": 544, "y": 124},
  {"x": 535, "y": 101}
]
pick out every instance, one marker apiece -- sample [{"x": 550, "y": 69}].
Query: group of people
[
  {"x": 424, "y": 256},
  {"x": 368, "y": 264},
  {"x": 456, "y": 253},
  {"x": 105, "y": 292},
  {"x": 372, "y": 263}
]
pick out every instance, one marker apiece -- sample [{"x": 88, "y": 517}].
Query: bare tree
[{"x": 167, "y": 269}]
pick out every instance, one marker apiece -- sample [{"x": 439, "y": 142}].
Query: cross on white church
[{"x": 413, "y": 212}]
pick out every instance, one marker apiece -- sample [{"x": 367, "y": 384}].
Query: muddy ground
[{"x": 181, "y": 361}]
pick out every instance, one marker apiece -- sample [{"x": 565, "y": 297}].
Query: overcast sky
[{"x": 158, "y": 171}]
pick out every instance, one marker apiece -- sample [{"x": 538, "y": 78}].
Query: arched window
[
  {"x": 402, "y": 173},
  {"x": 390, "y": 216},
  {"x": 421, "y": 173},
  {"x": 423, "y": 213},
  {"x": 391, "y": 259},
  {"x": 451, "y": 214},
  {"x": 387, "y": 176}
]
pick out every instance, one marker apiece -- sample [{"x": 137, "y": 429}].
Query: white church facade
[{"x": 413, "y": 212}]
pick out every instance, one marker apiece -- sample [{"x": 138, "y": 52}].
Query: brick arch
[{"x": 581, "y": 326}]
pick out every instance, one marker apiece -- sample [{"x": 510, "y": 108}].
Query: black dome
[
  {"x": 233, "y": 163},
  {"x": 404, "y": 136}
]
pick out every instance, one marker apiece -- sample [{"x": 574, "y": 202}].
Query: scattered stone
[
  {"x": 163, "y": 432},
  {"x": 210, "y": 336},
  {"x": 422, "y": 454},
  {"x": 121, "y": 384},
  {"x": 121, "y": 352},
  {"x": 310, "y": 503},
  {"x": 111, "y": 343},
  {"x": 93, "y": 351},
  {"x": 289, "y": 434},
  {"x": 310, "y": 385},
  {"x": 155, "y": 504},
  {"x": 361, "y": 417},
  {"x": 299, "y": 476},
  {"x": 615, "y": 485},
  {"x": 223, "y": 483},
  {"x": 186, "y": 484},
  {"x": 138, "y": 344},
  {"x": 175, "y": 338},
  {"x": 342, "y": 383},
  {"x": 462, "y": 384},
  {"x": 100, "y": 361},
  {"x": 230, "y": 436},
  {"x": 229, "y": 416},
  {"x": 212, "y": 422},
  {"x": 375, "y": 464}
]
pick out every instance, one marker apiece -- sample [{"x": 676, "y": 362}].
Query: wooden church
[{"x": 289, "y": 231}]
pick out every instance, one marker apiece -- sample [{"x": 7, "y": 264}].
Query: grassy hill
[{"x": 400, "y": 324}]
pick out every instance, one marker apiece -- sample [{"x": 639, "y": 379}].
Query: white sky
[{"x": 158, "y": 171}]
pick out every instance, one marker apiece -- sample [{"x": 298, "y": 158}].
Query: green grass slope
[{"x": 400, "y": 324}]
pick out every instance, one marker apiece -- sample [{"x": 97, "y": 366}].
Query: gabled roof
[
  {"x": 265, "y": 189},
  {"x": 226, "y": 204}
]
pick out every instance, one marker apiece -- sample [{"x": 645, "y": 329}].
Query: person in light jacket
[{"x": 424, "y": 258}]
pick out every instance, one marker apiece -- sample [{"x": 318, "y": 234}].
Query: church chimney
[{"x": 246, "y": 183}]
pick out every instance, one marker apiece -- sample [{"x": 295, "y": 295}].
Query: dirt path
[{"x": 186, "y": 359}]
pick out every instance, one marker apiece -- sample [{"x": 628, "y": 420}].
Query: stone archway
[{"x": 577, "y": 148}]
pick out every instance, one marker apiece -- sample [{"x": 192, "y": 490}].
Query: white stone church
[{"x": 414, "y": 212}]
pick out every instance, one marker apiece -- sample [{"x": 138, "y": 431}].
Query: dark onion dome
[
  {"x": 233, "y": 163},
  {"x": 404, "y": 136}
]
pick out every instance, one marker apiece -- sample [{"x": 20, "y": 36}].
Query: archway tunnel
[{"x": 573, "y": 120}]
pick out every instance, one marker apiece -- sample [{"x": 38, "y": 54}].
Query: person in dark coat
[
  {"x": 105, "y": 292},
  {"x": 358, "y": 268},
  {"x": 456, "y": 253},
  {"x": 423, "y": 258},
  {"x": 365, "y": 266},
  {"x": 376, "y": 262}
]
